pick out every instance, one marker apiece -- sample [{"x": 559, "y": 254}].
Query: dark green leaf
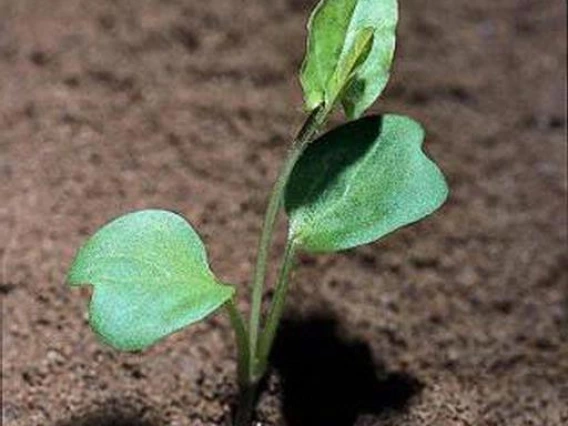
[
  {"x": 360, "y": 182},
  {"x": 350, "y": 50},
  {"x": 150, "y": 276}
]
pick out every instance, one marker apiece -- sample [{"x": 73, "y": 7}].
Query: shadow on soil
[
  {"x": 111, "y": 413},
  {"x": 329, "y": 381}
]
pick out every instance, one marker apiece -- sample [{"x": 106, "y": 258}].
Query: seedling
[{"x": 351, "y": 186}]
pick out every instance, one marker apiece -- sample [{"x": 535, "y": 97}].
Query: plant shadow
[
  {"x": 330, "y": 381},
  {"x": 112, "y": 413}
]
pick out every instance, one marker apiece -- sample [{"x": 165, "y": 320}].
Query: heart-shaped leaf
[
  {"x": 150, "y": 276},
  {"x": 349, "y": 53},
  {"x": 360, "y": 182}
]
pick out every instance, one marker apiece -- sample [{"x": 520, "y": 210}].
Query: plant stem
[
  {"x": 247, "y": 390},
  {"x": 277, "y": 308},
  {"x": 249, "y": 373},
  {"x": 242, "y": 338},
  {"x": 305, "y": 135}
]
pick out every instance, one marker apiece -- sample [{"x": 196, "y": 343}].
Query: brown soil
[{"x": 110, "y": 106}]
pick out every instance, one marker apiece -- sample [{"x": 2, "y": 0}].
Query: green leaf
[
  {"x": 150, "y": 277},
  {"x": 349, "y": 53},
  {"x": 360, "y": 182},
  {"x": 347, "y": 69}
]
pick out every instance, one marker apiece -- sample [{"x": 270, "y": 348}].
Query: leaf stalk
[
  {"x": 242, "y": 338},
  {"x": 276, "y": 308},
  {"x": 306, "y": 134}
]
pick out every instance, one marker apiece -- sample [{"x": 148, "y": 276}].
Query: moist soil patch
[{"x": 111, "y": 106}]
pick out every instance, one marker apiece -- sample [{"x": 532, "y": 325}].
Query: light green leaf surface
[
  {"x": 150, "y": 277},
  {"x": 360, "y": 182},
  {"x": 339, "y": 31}
]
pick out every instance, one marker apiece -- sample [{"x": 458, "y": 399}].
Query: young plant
[{"x": 351, "y": 186}]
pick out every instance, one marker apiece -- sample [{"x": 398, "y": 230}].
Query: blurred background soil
[{"x": 111, "y": 106}]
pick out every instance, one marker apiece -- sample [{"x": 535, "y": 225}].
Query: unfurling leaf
[
  {"x": 349, "y": 53},
  {"x": 150, "y": 277},
  {"x": 360, "y": 182}
]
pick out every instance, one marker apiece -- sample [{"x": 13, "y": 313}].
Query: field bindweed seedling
[{"x": 351, "y": 186}]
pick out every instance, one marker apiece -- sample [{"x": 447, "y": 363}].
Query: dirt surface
[{"x": 111, "y": 106}]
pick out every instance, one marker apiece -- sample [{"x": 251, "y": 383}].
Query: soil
[{"x": 112, "y": 106}]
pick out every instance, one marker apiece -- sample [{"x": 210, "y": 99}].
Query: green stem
[
  {"x": 306, "y": 134},
  {"x": 242, "y": 338},
  {"x": 276, "y": 309}
]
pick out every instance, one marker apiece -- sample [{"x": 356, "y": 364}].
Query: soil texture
[{"x": 115, "y": 105}]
